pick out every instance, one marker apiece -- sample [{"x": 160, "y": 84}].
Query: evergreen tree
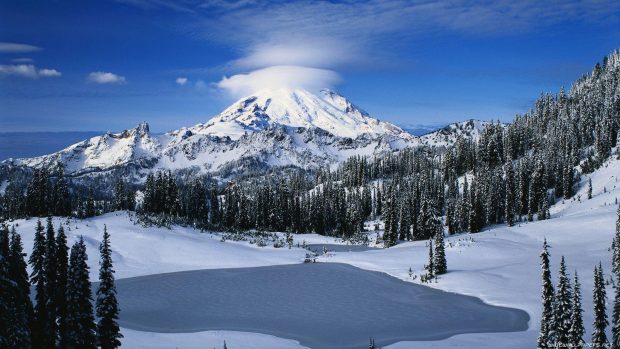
[
  {"x": 599, "y": 338},
  {"x": 40, "y": 339},
  {"x": 7, "y": 291},
  {"x": 62, "y": 265},
  {"x": 589, "y": 188},
  {"x": 577, "y": 331},
  {"x": 23, "y": 305},
  {"x": 509, "y": 213},
  {"x": 50, "y": 281},
  {"x": 615, "y": 322},
  {"x": 108, "y": 332},
  {"x": 430, "y": 267},
  {"x": 80, "y": 319},
  {"x": 62, "y": 199},
  {"x": 616, "y": 249},
  {"x": 562, "y": 313},
  {"x": 568, "y": 181},
  {"x": 544, "y": 338},
  {"x": 440, "y": 263}
]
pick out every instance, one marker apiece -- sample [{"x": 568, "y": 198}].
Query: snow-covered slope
[
  {"x": 499, "y": 265},
  {"x": 271, "y": 128},
  {"x": 297, "y": 108}
]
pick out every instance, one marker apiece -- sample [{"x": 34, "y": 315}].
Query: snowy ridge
[
  {"x": 448, "y": 135},
  {"x": 268, "y": 129},
  {"x": 281, "y": 128}
]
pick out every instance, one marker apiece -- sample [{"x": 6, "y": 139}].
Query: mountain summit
[{"x": 296, "y": 108}]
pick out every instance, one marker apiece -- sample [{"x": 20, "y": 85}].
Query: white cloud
[
  {"x": 100, "y": 77},
  {"x": 181, "y": 81},
  {"x": 275, "y": 77},
  {"x": 12, "y": 47},
  {"x": 49, "y": 72},
  {"x": 312, "y": 52},
  {"x": 23, "y": 70},
  {"x": 27, "y": 71},
  {"x": 370, "y": 34},
  {"x": 23, "y": 60}
]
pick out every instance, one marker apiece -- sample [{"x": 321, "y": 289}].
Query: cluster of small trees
[
  {"x": 62, "y": 315},
  {"x": 561, "y": 323}
]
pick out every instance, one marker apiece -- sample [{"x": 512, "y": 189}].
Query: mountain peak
[{"x": 326, "y": 110}]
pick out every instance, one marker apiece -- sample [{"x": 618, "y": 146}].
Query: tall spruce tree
[
  {"x": 615, "y": 319},
  {"x": 577, "y": 330},
  {"x": 23, "y": 304},
  {"x": 430, "y": 267},
  {"x": 599, "y": 338},
  {"x": 616, "y": 249},
  {"x": 108, "y": 331},
  {"x": 441, "y": 266},
  {"x": 509, "y": 204},
  {"x": 80, "y": 319},
  {"x": 562, "y": 311},
  {"x": 544, "y": 337},
  {"x": 62, "y": 266},
  {"x": 7, "y": 291},
  {"x": 50, "y": 281},
  {"x": 40, "y": 339}
]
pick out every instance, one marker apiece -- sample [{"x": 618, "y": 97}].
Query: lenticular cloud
[{"x": 284, "y": 76}]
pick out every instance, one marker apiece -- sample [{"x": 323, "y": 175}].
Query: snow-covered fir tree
[
  {"x": 23, "y": 311},
  {"x": 599, "y": 298},
  {"x": 430, "y": 266},
  {"x": 545, "y": 337},
  {"x": 440, "y": 264},
  {"x": 80, "y": 318},
  {"x": 615, "y": 318},
  {"x": 108, "y": 331},
  {"x": 62, "y": 267},
  {"x": 576, "y": 332},
  {"x": 38, "y": 263},
  {"x": 562, "y": 308},
  {"x": 50, "y": 270}
]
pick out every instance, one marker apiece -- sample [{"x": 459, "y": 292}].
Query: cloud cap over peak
[{"x": 283, "y": 76}]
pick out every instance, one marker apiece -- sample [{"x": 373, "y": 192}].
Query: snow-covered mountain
[
  {"x": 268, "y": 129},
  {"x": 448, "y": 135}
]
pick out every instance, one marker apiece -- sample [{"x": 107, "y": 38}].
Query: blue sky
[{"x": 107, "y": 65}]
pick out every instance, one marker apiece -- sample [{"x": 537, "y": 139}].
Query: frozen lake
[{"x": 321, "y": 305}]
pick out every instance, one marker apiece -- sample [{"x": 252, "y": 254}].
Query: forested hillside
[{"x": 511, "y": 172}]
